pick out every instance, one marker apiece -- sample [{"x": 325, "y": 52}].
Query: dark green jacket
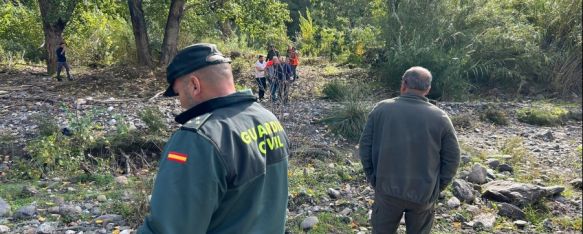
[
  {"x": 224, "y": 171},
  {"x": 409, "y": 149}
]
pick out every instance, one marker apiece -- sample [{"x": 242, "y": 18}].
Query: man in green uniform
[
  {"x": 409, "y": 153},
  {"x": 225, "y": 169}
]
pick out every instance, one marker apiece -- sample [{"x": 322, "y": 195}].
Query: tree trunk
[
  {"x": 140, "y": 32},
  {"x": 55, "y": 16},
  {"x": 172, "y": 31}
]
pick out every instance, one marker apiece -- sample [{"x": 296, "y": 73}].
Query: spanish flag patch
[{"x": 177, "y": 157}]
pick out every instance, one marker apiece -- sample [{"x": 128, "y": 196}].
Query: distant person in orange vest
[
  {"x": 294, "y": 60},
  {"x": 62, "y": 61}
]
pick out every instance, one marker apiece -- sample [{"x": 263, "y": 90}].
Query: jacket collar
[
  {"x": 213, "y": 104},
  {"x": 410, "y": 96}
]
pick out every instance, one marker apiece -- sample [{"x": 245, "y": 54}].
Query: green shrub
[
  {"x": 494, "y": 115},
  {"x": 543, "y": 114},
  {"x": 349, "y": 120},
  {"x": 137, "y": 209},
  {"x": 154, "y": 119},
  {"x": 47, "y": 124},
  {"x": 462, "y": 121},
  {"x": 336, "y": 90}
]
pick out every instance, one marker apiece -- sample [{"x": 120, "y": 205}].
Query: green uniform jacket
[
  {"x": 409, "y": 149},
  {"x": 224, "y": 171}
]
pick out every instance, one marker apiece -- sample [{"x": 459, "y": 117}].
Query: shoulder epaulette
[{"x": 197, "y": 122}]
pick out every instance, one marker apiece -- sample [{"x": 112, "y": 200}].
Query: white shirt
[{"x": 259, "y": 69}]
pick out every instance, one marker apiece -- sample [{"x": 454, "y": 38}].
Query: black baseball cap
[{"x": 190, "y": 59}]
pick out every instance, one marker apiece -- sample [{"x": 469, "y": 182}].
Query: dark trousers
[
  {"x": 262, "y": 84},
  {"x": 274, "y": 89},
  {"x": 294, "y": 71},
  {"x": 387, "y": 212},
  {"x": 60, "y": 66}
]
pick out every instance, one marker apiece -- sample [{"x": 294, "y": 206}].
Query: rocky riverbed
[{"x": 513, "y": 178}]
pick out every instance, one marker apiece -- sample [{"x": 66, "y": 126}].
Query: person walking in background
[
  {"x": 62, "y": 61},
  {"x": 294, "y": 60},
  {"x": 410, "y": 153},
  {"x": 225, "y": 169},
  {"x": 260, "y": 76},
  {"x": 272, "y": 52}
]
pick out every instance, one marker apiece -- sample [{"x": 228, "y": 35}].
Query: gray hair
[{"x": 418, "y": 78}]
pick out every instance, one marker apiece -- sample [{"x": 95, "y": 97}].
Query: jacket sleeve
[
  {"x": 186, "y": 192},
  {"x": 449, "y": 156},
  {"x": 365, "y": 149}
]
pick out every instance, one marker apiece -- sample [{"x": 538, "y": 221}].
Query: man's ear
[{"x": 194, "y": 84}]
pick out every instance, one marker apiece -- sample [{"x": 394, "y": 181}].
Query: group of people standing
[{"x": 276, "y": 70}]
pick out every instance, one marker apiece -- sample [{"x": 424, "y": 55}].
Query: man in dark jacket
[
  {"x": 272, "y": 52},
  {"x": 225, "y": 169},
  {"x": 62, "y": 61},
  {"x": 410, "y": 153}
]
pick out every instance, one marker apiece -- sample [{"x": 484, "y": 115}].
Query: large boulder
[
  {"x": 478, "y": 174},
  {"x": 517, "y": 193},
  {"x": 463, "y": 191}
]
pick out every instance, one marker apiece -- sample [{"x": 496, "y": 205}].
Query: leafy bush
[
  {"x": 349, "y": 120},
  {"x": 494, "y": 115},
  {"x": 336, "y": 90},
  {"x": 544, "y": 115},
  {"x": 307, "y": 38},
  {"x": 47, "y": 125},
  {"x": 154, "y": 119},
  {"x": 21, "y": 34},
  {"x": 463, "y": 121}
]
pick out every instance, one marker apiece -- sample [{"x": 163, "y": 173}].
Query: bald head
[
  {"x": 417, "y": 78},
  {"x": 219, "y": 75}
]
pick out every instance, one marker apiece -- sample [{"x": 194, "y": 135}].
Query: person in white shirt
[{"x": 260, "y": 76}]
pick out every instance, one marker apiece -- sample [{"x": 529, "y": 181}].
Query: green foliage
[
  {"x": 307, "y": 37},
  {"x": 544, "y": 114},
  {"x": 536, "y": 214},
  {"x": 154, "y": 119},
  {"x": 137, "y": 209},
  {"x": 335, "y": 90},
  {"x": 97, "y": 39},
  {"x": 21, "y": 33},
  {"x": 97, "y": 179},
  {"x": 515, "y": 148},
  {"x": 463, "y": 121},
  {"x": 47, "y": 125},
  {"x": 494, "y": 115},
  {"x": 349, "y": 120}
]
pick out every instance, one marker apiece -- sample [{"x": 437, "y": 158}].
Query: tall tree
[
  {"x": 140, "y": 32},
  {"x": 172, "y": 31},
  {"x": 55, "y": 16}
]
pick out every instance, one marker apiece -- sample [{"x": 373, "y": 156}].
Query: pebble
[
  {"x": 453, "y": 202},
  {"x": 122, "y": 180},
  {"x": 520, "y": 223},
  {"x": 333, "y": 193},
  {"x": 4, "y": 229},
  {"x": 47, "y": 228},
  {"x": 25, "y": 212}
]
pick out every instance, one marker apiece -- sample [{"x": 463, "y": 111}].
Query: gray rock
[
  {"x": 28, "y": 191},
  {"x": 25, "y": 212},
  {"x": 576, "y": 114},
  {"x": 493, "y": 163},
  {"x": 453, "y": 202},
  {"x": 505, "y": 167},
  {"x": 474, "y": 210},
  {"x": 576, "y": 183},
  {"x": 478, "y": 174},
  {"x": 54, "y": 210},
  {"x": 95, "y": 211},
  {"x": 70, "y": 232},
  {"x": 547, "y": 136},
  {"x": 484, "y": 221},
  {"x": 346, "y": 211},
  {"x": 517, "y": 193},
  {"x": 309, "y": 223},
  {"x": 333, "y": 193},
  {"x": 4, "y": 208},
  {"x": 47, "y": 228},
  {"x": 4, "y": 229},
  {"x": 463, "y": 191},
  {"x": 548, "y": 225},
  {"x": 127, "y": 231},
  {"x": 465, "y": 159},
  {"x": 520, "y": 223},
  {"x": 510, "y": 211},
  {"x": 122, "y": 180},
  {"x": 110, "y": 218},
  {"x": 70, "y": 210}
]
